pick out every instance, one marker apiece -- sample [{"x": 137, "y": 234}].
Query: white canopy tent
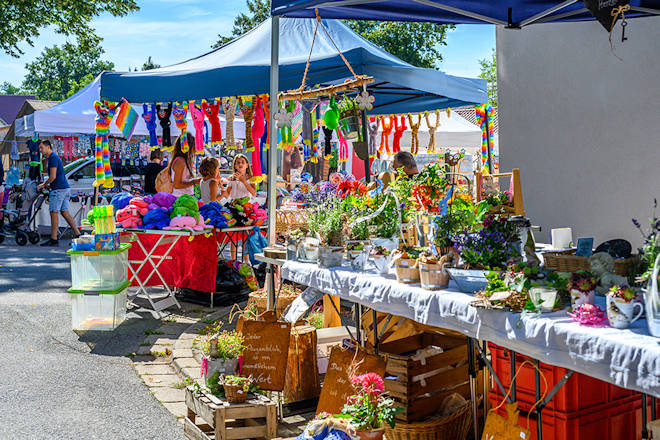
[{"x": 75, "y": 116}]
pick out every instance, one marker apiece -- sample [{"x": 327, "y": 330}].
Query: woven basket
[
  {"x": 453, "y": 427},
  {"x": 261, "y": 301},
  {"x": 235, "y": 393},
  {"x": 290, "y": 220},
  {"x": 407, "y": 271},
  {"x": 567, "y": 261}
]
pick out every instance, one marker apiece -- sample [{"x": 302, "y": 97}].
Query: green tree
[
  {"x": 23, "y": 20},
  {"x": 415, "y": 43},
  {"x": 149, "y": 64},
  {"x": 7, "y": 88},
  {"x": 59, "y": 72},
  {"x": 258, "y": 12},
  {"x": 489, "y": 73}
]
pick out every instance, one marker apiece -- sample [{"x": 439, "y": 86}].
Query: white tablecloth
[{"x": 627, "y": 358}]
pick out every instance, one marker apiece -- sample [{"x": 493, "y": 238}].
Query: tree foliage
[
  {"x": 59, "y": 72},
  {"x": 149, "y": 64},
  {"x": 258, "y": 12},
  {"x": 489, "y": 73},
  {"x": 23, "y": 20},
  {"x": 414, "y": 43},
  {"x": 7, "y": 88}
]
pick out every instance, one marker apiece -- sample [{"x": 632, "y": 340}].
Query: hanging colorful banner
[{"x": 485, "y": 119}]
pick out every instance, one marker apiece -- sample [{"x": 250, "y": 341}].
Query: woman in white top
[
  {"x": 210, "y": 187},
  {"x": 181, "y": 168},
  {"x": 239, "y": 185}
]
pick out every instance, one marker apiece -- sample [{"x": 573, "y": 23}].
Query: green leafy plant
[
  {"x": 368, "y": 408},
  {"x": 359, "y": 231},
  {"x": 650, "y": 244},
  {"x": 625, "y": 293},
  {"x": 403, "y": 188},
  {"x": 347, "y": 107},
  {"x": 230, "y": 344},
  {"x": 328, "y": 223},
  {"x": 244, "y": 382},
  {"x": 315, "y": 319}
]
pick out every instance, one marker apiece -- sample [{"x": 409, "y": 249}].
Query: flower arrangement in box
[
  {"x": 369, "y": 410},
  {"x": 236, "y": 388},
  {"x": 582, "y": 286}
]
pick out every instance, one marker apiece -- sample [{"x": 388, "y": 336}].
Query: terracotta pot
[{"x": 371, "y": 435}]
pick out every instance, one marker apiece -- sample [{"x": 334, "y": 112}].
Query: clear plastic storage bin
[
  {"x": 99, "y": 270},
  {"x": 101, "y": 310}
]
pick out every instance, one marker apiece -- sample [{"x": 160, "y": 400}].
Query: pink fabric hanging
[
  {"x": 67, "y": 151},
  {"x": 258, "y": 126}
]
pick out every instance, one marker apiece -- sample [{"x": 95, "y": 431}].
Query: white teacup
[
  {"x": 621, "y": 314},
  {"x": 578, "y": 298},
  {"x": 543, "y": 298}
]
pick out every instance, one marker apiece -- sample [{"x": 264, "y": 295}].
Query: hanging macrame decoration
[
  {"x": 229, "y": 107},
  {"x": 327, "y": 142},
  {"x": 247, "y": 110},
  {"x": 198, "y": 123},
  {"x": 385, "y": 134},
  {"x": 211, "y": 111},
  {"x": 149, "y": 116},
  {"x": 284, "y": 118},
  {"x": 343, "y": 147},
  {"x": 180, "y": 112},
  {"x": 432, "y": 128},
  {"x": 315, "y": 143},
  {"x": 373, "y": 135},
  {"x": 399, "y": 128},
  {"x": 414, "y": 131},
  {"x": 164, "y": 118},
  {"x": 105, "y": 112}
]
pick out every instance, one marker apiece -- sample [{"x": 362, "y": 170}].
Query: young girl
[
  {"x": 210, "y": 186},
  {"x": 181, "y": 169},
  {"x": 239, "y": 185}
]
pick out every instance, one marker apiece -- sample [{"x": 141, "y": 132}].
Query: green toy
[
  {"x": 185, "y": 205},
  {"x": 331, "y": 115}
]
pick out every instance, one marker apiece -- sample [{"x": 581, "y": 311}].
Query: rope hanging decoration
[{"x": 303, "y": 93}]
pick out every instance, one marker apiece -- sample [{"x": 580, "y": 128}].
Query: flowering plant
[
  {"x": 243, "y": 382},
  {"x": 429, "y": 187},
  {"x": 230, "y": 345},
  {"x": 484, "y": 249},
  {"x": 582, "y": 281},
  {"x": 327, "y": 221},
  {"x": 368, "y": 409},
  {"x": 650, "y": 243},
  {"x": 622, "y": 292},
  {"x": 403, "y": 187}
]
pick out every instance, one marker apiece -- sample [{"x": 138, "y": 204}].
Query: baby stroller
[{"x": 20, "y": 213}]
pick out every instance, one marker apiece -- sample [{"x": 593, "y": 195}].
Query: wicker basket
[
  {"x": 407, "y": 271},
  {"x": 235, "y": 393},
  {"x": 567, "y": 261},
  {"x": 453, "y": 427},
  {"x": 261, "y": 301},
  {"x": 290, "y": 220}
]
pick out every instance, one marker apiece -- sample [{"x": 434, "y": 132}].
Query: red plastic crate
[
  {"x": 620, "y": 420},
  {"x": 579, "y": 393}
]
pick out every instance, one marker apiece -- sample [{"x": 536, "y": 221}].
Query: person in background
[
  {"x": 181, "y": 168},
  {"x": 405, "y": 160},
  {"x": 210, "y": 187},
  {"x": 151, "y": 172},
  {"x": 239, "y": 185},
  {"x": 59, "y": 193}
]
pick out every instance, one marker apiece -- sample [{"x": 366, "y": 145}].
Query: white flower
[
  {"x": 364, "y": 100},
  {"x": 283, "y": 117}
]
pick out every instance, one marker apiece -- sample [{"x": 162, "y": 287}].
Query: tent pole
[
  {"x": 272, "y": 150},
  {"x": 274, "y": 106}
]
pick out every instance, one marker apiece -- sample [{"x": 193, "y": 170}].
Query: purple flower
[{"x": 636, "y": 223}]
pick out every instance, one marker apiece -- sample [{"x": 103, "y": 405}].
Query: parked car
[{"x": 82, "y": 172}]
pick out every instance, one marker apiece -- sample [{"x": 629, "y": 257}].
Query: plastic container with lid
[
  {"x": 99, "y": 270},
  {"x": 99, "y": 310}
]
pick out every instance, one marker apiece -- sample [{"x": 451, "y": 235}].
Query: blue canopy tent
[
  {"x": 242, "y": 67},
  {"x": 510, "y": 13}
]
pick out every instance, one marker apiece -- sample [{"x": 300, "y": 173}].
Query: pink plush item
[
  {"x": 139, "y": 204},
  {"x": 186, "y": 222},
  {"x": 129, "y": 217}
]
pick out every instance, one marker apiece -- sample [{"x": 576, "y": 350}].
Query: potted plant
[
  {"x": 294, "y": 244},
  {"x": 369, "y": 410},
  {"x": 236, "y": 388},
  {"x": 432, "y": 270},
  {"x": 429, "y": 188},
  {"x": 406, "y": 265},
  {"x": 349, "y": 118},
  {"x": 621, "y": 306},
  {"x": 229, "y": 347},
  {"x": 358, "y": 240},
  {"x": 384, "y": 229},
  {"x": 582, "y": 287},
  {"x": 381, "y": 257},
  {"x": 650, "y": 245},
  {"x": 327, "y": 222}
]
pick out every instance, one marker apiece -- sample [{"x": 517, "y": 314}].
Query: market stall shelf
[{"x": 210, "y": 418}]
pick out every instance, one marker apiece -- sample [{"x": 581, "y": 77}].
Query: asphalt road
[{"x": 55, "y": 384}]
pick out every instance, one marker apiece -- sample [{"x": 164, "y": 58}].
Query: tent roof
[
  {"x": 511, "y": 13},
  {"x": 242, "y": 67}
]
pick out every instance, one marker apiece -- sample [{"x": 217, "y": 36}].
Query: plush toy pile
[{"x": 165, "y": 211}]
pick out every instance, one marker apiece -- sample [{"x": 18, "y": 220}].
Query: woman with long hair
[{"x": 181, "y": 168}]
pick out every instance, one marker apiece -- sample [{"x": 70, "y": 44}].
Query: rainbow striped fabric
[
  {"x": 127, "y": 119},
  {"x": 485, "y": 114}
]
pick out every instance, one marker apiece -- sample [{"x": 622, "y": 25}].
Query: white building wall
[{"x": 581, "y": 124}]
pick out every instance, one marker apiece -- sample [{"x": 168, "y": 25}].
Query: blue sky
[{"x": 175, "y": 30}]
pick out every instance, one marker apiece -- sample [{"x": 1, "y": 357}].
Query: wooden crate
[
  {"x": 420, "y": 382},
  {"x": 211, "y": 418}
]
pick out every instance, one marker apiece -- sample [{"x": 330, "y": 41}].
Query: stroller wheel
[
  {"x": 33, "y": 237},
  {"x": 21, "y": 238}
]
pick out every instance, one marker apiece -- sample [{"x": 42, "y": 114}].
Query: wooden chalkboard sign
[
  {"x": 265, "y": 357},
  {"x": 337, "y": 385}
]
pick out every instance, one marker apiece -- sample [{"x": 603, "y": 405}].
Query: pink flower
[{"x": 371, "y": 383}]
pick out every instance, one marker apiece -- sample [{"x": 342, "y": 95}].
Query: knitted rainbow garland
[
  {"x": 105, "y": 112},
  {"x": 127, "y": 119},
  {"x": 485, "y": 112},
  {"x": 179, "y": 113}
]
